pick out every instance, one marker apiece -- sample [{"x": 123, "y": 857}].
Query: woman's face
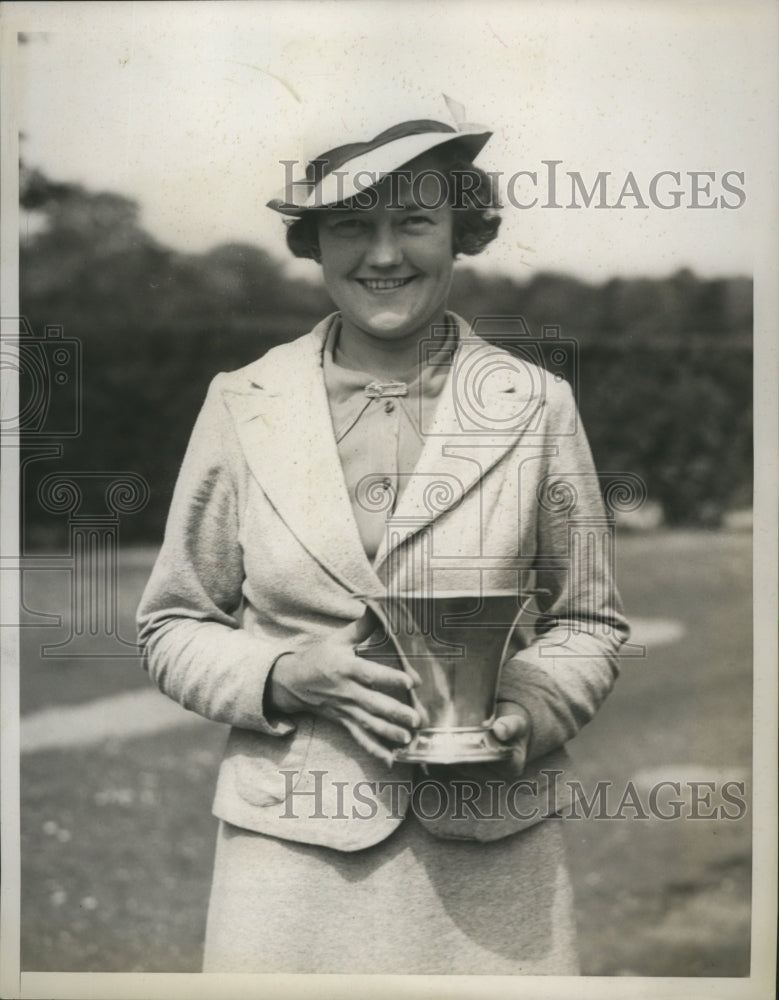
[{"x": 388, "y": 268}]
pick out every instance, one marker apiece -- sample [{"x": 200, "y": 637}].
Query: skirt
[{"x": 412, "y": 904}]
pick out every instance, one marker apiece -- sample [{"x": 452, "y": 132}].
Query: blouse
[{"x": 377, "y": 427}]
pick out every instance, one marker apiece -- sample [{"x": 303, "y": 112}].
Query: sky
[{"x": 190, "y": 109}]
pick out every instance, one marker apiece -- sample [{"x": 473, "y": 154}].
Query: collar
[{"x": 351, "y": 391}]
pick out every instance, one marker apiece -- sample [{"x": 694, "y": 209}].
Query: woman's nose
[{"x": 384, "y": 249}]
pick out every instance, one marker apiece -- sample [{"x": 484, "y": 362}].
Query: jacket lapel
[
  {"x": 488, "y": 402},
  {"x": 283, "y": 423}
]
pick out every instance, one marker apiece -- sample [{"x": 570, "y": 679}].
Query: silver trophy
[{"x": 453, "y": 644}]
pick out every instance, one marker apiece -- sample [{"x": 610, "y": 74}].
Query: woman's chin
[{"x": 390, "y": 323}]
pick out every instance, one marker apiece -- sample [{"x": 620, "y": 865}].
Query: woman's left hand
[{"x": 512, "y": 725}]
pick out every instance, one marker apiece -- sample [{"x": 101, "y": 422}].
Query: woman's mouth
[{"x": 384, "y": 284}]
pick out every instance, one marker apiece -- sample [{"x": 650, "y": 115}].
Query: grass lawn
[{"x": 118, "y": 837}]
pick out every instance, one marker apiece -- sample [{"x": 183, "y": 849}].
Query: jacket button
[{"x": 389, "y": 406}]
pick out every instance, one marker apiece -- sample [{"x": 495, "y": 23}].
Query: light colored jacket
[{"x": 262, "y": 553}]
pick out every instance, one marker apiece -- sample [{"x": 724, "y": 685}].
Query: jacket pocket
[{"x": 267, "y": 768}]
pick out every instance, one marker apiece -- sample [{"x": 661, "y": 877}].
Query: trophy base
[{"x": 453, "y": 746}]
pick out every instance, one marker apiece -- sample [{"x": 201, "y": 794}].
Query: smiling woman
[
  {"x": 390, "y": 451},
  {"x": 388, "y": 264},
  {"x": 388, "y": 269}
]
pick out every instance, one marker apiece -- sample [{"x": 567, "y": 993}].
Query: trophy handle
[
  {"x": 391, "y": 641},
  {"x": 414, "y": 644},
  {"x": 454, "y": 688},
  {"x": 527, "y": 596}
]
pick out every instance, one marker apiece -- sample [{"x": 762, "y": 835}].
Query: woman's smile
[
  {"x": 388, "y": 268},
  {"x": 382, "y": 285}
]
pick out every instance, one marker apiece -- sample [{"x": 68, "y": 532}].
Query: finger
[
  {"x": 383, "y": 706},
  {"x": 358, "y": 631},
  {"x": 379, "y": 676},
  {"x": 519, "y": 723},
  {"x": 405, "y": 681},
  {"x": 378, "y": 725},
  {"x": 412, "y": 673},
  {"x": 510, "y": 727},
  {"x": 416, "y": 702},
  {"x": 367, "y": 742}
]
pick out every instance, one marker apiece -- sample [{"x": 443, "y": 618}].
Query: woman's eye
[
  {"x": 348, "y": 227},
  {"x": 418, "y": 221}
]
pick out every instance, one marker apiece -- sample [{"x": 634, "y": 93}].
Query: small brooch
[{"x": 377, "y": 390}]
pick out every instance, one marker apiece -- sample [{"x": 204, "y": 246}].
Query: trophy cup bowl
[{"x": 453, "y": 645}]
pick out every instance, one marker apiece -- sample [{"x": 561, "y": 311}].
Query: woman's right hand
[{"x": 329, "y": 679}]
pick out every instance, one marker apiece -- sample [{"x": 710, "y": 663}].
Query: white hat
[{"x": 340, "y": 173}]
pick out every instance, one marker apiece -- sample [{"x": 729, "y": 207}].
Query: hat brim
[{"x": 365, "y": 170}]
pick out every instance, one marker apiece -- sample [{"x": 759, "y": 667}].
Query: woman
[{"x": 386, "y": 447}]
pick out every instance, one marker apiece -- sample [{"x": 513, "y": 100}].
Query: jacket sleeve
[
  {"x": 564, "y": 674},
  {"x": 194, "y": 647}
]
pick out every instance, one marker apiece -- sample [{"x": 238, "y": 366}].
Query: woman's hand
[
  {"x": 330, "y": 680},
  {"x": 512, "y": 725}
]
